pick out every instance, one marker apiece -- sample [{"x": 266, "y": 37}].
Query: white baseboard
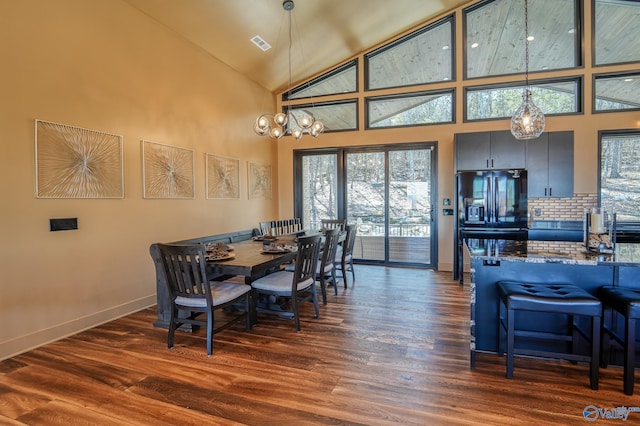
[{"x": 21, "y": 344}]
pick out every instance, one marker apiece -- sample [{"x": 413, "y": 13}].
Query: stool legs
[
  {"x": 594, "y": 364},
  {"x": 594, "y": 372},
  {"x": 510, "y": 341},
  {"x": 629, "y": 355}
]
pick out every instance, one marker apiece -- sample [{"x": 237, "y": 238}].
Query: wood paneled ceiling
[{"x": 324, "y": 32}]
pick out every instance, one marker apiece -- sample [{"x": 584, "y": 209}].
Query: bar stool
[
  {"x": 625, "y": 301},
  {"x": 550, "y": 298}
]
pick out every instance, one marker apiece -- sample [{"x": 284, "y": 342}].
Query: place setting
[
  {"x": 219, "y": 251},
  {"x": 275, "y": 248}
]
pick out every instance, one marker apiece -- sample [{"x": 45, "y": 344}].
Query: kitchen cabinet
[
  {"x": 550, "y": 165},
  {"x": 489, "y": 150}
]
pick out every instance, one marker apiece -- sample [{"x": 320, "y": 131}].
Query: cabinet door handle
[
  {"x": 545, "y": 192},
  {"x": 550, "y": 191},
  {"x": 487, "y": 164},
  {"x": 492, "y": 163}
]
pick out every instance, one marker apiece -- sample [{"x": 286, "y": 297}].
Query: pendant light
[
  {"x": 528, "y": 120},
  {"x": 277, "y": 125}
]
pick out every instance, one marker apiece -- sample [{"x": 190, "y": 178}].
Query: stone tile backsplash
[{"x": 562, "y": 208}]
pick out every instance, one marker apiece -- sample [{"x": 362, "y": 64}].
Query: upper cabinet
[
  {"x": 489, "y": 150},
  {"x": 550, "y": 165}
]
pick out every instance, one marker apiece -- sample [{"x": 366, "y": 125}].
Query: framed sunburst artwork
[
  {"x": 259, "y": 180},
  {"x": 72, "y": 162},
  {"x": 223, "y": 177},
  {"x": 167, "y": 171}
]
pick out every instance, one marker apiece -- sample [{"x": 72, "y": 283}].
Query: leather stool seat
[
  {"x": 558, "y": 298},
  {"x": 625, "y": 301},
  {"x": 563, "y": 299}
]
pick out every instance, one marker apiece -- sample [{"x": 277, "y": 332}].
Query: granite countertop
[{"x": 570, "y": 253}]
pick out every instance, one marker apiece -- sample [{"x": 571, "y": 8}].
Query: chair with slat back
[
  {"x": 298, "y": 287},
  {"x": 190, "y": 290},
  {"x": 333, "y": 224},
  {"x": 266, "y": 228},
  {"x": 326, "y": 272},
  {"x": 344, "y": 255}
]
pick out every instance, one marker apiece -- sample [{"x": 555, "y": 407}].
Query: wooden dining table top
[{"x": 250, "y": 261}]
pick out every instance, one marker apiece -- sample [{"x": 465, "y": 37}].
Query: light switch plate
[{"x": 65, "y": 224}]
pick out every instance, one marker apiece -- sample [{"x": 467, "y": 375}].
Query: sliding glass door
[{"x": 386, "y": 191}]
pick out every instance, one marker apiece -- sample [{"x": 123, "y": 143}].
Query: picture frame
[
  {"x": 167, "y": 171},
  {"x": 74, "y": 162},
  {"x": 223, "y": 177},
  {"x": 259, "y": 180}
]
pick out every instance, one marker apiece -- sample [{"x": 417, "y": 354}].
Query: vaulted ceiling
[{"x": 324, "y": 32}]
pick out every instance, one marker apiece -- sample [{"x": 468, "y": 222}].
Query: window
[
  {"x": 409, "y": 110},
  {"x": 554, "y": 97},
  {"x": 617, "y": 92},
  {"x": 425, "y": 56},
  {"x": 335, "y": 115},
  {"x": 495, "y": 39},
  {"x": 340, "y": 80},
  {"x": 620, "y": 174},
  {"x": 617, "y": 33}
]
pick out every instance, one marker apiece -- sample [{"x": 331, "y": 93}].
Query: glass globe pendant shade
[
  {"x": 276, "y": 133},
  {"x": 528, "y": 120},
  {"x": 261, "y": 126},
  {"x": 280, "y": 119},
  {"x": 316, "y": 128},
  {"x": 297, "y": 134}
]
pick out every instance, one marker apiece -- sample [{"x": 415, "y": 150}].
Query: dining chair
[
  {"x": 298, "y": 287},
  {"x": 191, "y": 290},
  {"x": 333, "y": 223},
  {"x": 266, "y": 228},
  {"x": 344, "y": 255},
  {"x": 326, "y": 271}
]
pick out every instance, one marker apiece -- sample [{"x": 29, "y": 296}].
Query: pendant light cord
[
  {"x": 526, "y": 39},
  {"x": 289, "y": 85}
]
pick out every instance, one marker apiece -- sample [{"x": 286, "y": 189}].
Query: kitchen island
[{"x": 529, "y": 261}]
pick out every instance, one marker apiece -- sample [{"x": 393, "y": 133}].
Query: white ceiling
[{"x": 324, "y": 32}]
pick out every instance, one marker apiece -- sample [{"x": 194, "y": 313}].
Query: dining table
[{"x": 252, "y": 259}]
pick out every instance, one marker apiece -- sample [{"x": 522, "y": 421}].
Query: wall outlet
[
  {"x": 447, "y": 212},
  {"x": 537, "y": 212}
]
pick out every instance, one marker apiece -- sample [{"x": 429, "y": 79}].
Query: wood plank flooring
[{"x": 391, "y": 349}]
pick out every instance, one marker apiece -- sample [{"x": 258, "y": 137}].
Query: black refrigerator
[{"x": 490, "y": 204}]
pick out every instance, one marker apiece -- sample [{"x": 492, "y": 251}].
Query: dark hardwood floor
[{"x": 393, "y": 348}]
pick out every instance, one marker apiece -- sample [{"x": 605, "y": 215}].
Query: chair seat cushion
[
  {"x": 328, "y": 268},
  {"x": 221, "y": 292},
  {"x": 556, "y": 298},
  {"x": 280, "y": 282},
  {"x": 622, "y": 299}
]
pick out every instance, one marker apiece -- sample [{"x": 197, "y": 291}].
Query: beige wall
[{"x": 102, "y": 65}]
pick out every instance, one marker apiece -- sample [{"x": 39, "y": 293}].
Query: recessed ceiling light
[
  {"x": 445, "y": 47},
  {"x": 531, "y": 38},
  {"x": 474, "y": 45},
  {"x": 571, "y": 31},
  {"x": 628, "y": 79}
]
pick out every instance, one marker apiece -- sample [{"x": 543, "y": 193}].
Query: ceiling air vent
[{"x": 259, "y": 41}]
